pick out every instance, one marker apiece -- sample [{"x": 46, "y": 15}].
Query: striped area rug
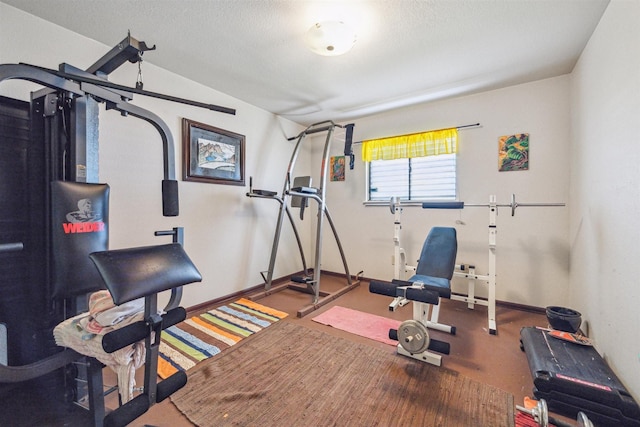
[{"x": 198, "y": 338}]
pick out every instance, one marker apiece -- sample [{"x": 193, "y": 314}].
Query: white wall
[
  {"x": 227, "y": 234},
  {"x": 533, "y": 246},
  {"x": 583, "y": 152},
  {"x": 605, "y": 93}
]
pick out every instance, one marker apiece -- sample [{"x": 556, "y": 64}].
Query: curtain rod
[{"x": 415, "y": 133}]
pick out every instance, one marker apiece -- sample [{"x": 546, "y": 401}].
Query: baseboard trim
[
  {"x": 231, "y": 297},
  {"x": 521, "y": 307},
  {"x": 284, "y": 279}
]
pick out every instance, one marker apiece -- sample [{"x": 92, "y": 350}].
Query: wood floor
[{"x": 492, "y": 359}]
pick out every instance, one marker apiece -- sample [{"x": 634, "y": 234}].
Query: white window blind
[{"x": 417, "y": 179}]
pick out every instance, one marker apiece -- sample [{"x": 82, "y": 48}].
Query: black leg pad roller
[
  {"x": 382, "y": 288},
  {"x": 169, "y": 386},
  {"x": 127, "y": 412},
  {"x": 138, "y": 331},
  {"x": 434, "y": 345},
  {"x": 422, "y": 295},
  {"x": 439, "y": 346}
]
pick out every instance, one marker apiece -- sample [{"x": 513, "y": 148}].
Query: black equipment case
[{"x": 573, "y": 378}]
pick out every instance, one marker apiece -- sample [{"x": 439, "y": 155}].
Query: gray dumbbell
[{"x": 541, "y": 416}]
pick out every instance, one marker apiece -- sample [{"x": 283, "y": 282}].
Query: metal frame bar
[
  {"x": 268, "y": 279},
  {"x": 81, "y": 77},
  {"x": 113, "y": 101},
  {"x": 426, "y": 356},
  {"x": 400, "y": 266},
  {"x": 313, "y": 286}
]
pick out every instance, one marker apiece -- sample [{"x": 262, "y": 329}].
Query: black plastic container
[{"x": 564, "y": 319}]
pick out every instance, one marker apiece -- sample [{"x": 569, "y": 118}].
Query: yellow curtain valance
[{"x": 422, "y": 144}]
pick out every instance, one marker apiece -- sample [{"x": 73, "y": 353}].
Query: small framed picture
[
  {"x": 212, "y": 155},
  {"x": 513, "y": 152},
  {"x": 337, "y": 168}
]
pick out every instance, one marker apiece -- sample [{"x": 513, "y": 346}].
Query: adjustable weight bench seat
[
  {"x": 131, "y": 275},
  {"x": 435, "y": 268},
  {"x": 431, "y": 282},
  {"x": 135, "y": 273}
]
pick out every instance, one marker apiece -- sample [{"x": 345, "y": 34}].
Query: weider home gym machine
[
  {"x": 465, "y": 271},
  {"x": 298, "y": 191},
  {"x": 51, "y": 166}
]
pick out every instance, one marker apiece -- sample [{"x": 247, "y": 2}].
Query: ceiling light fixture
[{"x": 330, "y": 38}]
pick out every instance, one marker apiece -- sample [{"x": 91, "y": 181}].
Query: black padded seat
[
  {"x": 439, "y": 284},
  {"x": 134, "y": 273}
]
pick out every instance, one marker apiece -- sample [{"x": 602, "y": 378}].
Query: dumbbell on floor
[{"x": 541, "y": 416}]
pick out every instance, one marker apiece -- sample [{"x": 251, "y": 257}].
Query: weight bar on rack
[{"x": 461, "y": 205}]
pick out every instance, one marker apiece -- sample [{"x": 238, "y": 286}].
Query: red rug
[{"x": 357, "y": 322}]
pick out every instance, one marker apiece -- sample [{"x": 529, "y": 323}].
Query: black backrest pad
[
  {"x": 79, "y": 226},
  {"x": 438, "y": 257},
  {"x": 137, "y": 272}
]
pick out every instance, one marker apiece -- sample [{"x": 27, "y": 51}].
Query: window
[
  {"x": 414, "y": 167},
  {"x": 416, "y": 179}
]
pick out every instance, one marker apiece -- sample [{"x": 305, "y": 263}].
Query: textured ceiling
[{"x": 407, "y": 51}]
